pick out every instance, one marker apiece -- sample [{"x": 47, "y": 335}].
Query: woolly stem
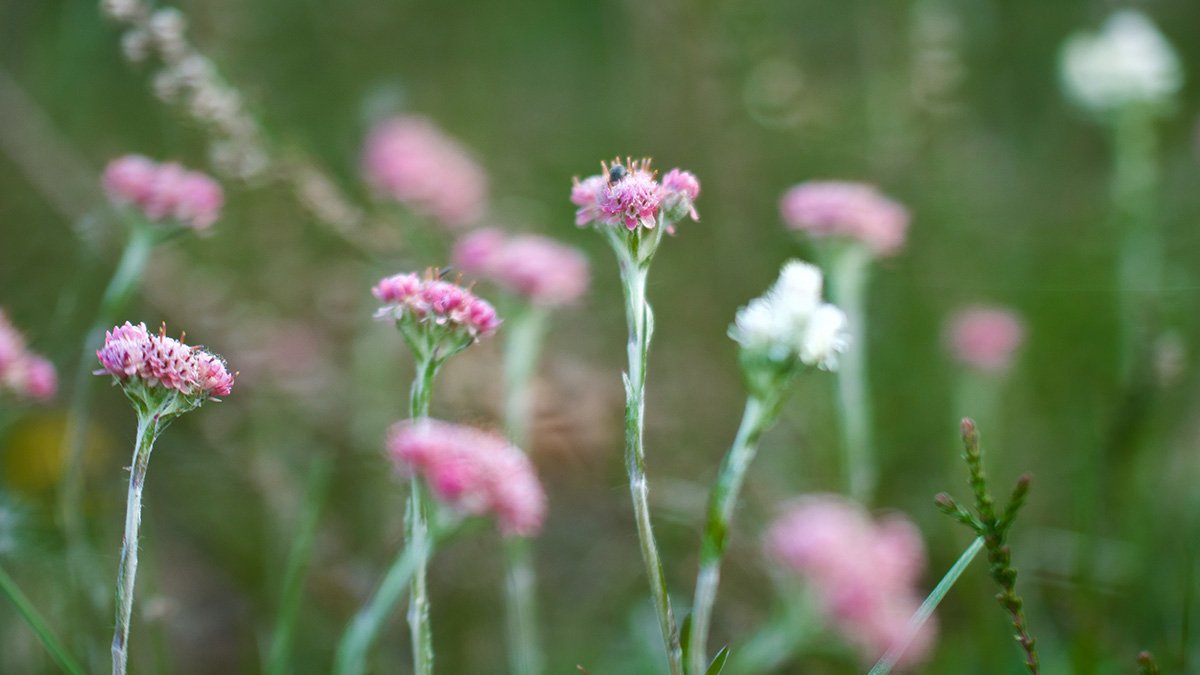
[
  {"x": 418, "y": 535},
  {"x": 848, "y": 290}
]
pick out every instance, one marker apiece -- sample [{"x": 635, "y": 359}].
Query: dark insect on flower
[
  {"x": 616, "y": 173},
  {"x": 445, "y": 271}
]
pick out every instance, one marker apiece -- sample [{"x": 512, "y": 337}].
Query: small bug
[{"x": 616, "y": 173}]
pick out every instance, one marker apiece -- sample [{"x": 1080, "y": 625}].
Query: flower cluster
[
  {"x": 630, "y": 195},
  {"x": 985, "y": 338},
  {"x": 538, "y": 269},
  {"x": 409, "y": 159},
  {"x": 863, "y": 573},
  {"x": 1127, "y": 63},
  {"x": 164, "y": 192},
  {"x": 472, "y": 471},
  {"x": 437, "y": 317},
  {"x": 855, "y": 211},
  {"x": 23, "y": 373},
  {"x": 136, "y": 357},
  {"x": 790, "y": 322}
]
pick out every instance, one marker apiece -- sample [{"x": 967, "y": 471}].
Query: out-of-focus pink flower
[
  {"x": 843, "y": 209},
  {"x": 985, "y": 338},
  {"x": 434, "y": 302},
  {"x": 863, "y": 573},
  {"x": 133, "y": 354},
  {"x": 164, "y": 192},
  {"x": 412, "y": 161},
  {"x": 538, "y": 269},
  {"x": 22, "y": 372},
  {"x": 680, "y": 190},
  {"x": 472, "y": 471}
]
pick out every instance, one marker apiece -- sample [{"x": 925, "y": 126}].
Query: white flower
[
  {"x": 824, "y": 338},
  {"x": 1127, "y": 62},
  {"x": 790, "y": 321}
]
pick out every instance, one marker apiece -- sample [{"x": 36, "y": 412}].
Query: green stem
[
  {"x": 526, "y": 330},
  {"x": 417, "y": 535},
  {"x": 147, "y": 431},
  {"x": 888, "y": 661},
  {"x": 849, "y": 276},
  {"x": 297, "y": 568},
  {"x": 756, "y": 419},
  {"x": 641, "y": 327},
  {"x": 120, "y": 288},
  {"x": 38, "y": 625},
  {"x": 352, "y": 652}
]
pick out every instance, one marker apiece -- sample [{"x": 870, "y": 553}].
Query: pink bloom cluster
[
  {"x": 409, "y": 159},
  {"x": 132, "y": 353},
  {"x": 536, "y": 268},
  {"x": 985, "y": 338},
  {"x": 164, "y": 191},
  {"x": 864, "y": 573},
  {"x": 434, "y": 301},
  {"x": 844, "y": 209},
  {"x": 473, "y": 471},
  {"x": 22, "y": 372},
  {"x": 629, "y": 194}
]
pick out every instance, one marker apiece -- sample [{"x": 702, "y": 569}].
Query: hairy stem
[
  {"x": 147, "y": 431},
  {"x": 641, "y": 326},
  {"x": 757, "y": 416},
  {"x": 120, "y": 288},
  {"x": 417, "y": 535},
  {"x": 526, "y": 329},
  {"x": 848, "y": 278}
]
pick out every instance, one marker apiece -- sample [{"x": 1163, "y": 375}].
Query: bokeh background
[{"x": 952, "y": 107}]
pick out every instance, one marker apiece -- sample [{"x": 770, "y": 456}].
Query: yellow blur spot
[{"x": 33, "y": 457}]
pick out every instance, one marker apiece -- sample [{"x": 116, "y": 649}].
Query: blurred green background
[{"x": 952, "y": 107}]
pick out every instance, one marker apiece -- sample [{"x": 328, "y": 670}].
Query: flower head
[
  {"x": 985, "y": 338},
  {"x": 164, "y": 192},
  {"x": 863, "y": 572},
  {"x": 1128, "y": 62},
  {"x": 411, "y": 160},
  {"x": 628, "y": 194},
  {"x": 855, "y": 211},
  {"x": 153, "y": 368},
  {"x": 472, "y": 471},
  {"x": 789, "y": 322},
  {"x": 437, "y": 317},
  {"x": 538, "y": 269},
  {"x": 23, "y": 373}
]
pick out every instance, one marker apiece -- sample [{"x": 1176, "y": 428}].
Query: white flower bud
[{"x": 1127, "y": 62}]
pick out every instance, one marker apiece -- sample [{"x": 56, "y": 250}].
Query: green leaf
[
  {"x": 685, "y": 636},
  {"x": 718, "y": 662}
]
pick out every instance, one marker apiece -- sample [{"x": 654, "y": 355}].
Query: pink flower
[
  {"x": 985, "y": 338},
  {"x": 164, "y": 192},
  {"x": 586, "y": 195},
  {"x": 680, "y": 190},
  {"x": 633, "y": 199},
  {"x": 412, "y": 161},
  {"x": 22, "y": 372},
  {"x": 433, "y": 302},
  {"x": 133, "y": 354},
  {"x": 538, "y": 269},
  {"x": 472, "y": 471},
  {"x": 842, "y": 209},
  {"x": 863, "y": 573}
]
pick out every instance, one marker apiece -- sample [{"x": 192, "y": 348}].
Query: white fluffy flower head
[
  {"x": 1127, "y": 62},
  {"x": 790, "y": 321}
]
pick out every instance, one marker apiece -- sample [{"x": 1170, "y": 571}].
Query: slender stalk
[
  {"x": 757, "y": 416},
  {"x": 352, "y": 652},
  {"x": 641, "y": 327},
  {"x": 56, "y": 649},
  {"x": 888, "y": 661},
  {"x": 297, "y": 568},
  {"x": 417, "y": 535},
  {"x": 849, "y": 276},
  {"x": 526, "y": 329},
  {"x": 147, "y": 431},
  {"x": 120, "y": 288}
]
